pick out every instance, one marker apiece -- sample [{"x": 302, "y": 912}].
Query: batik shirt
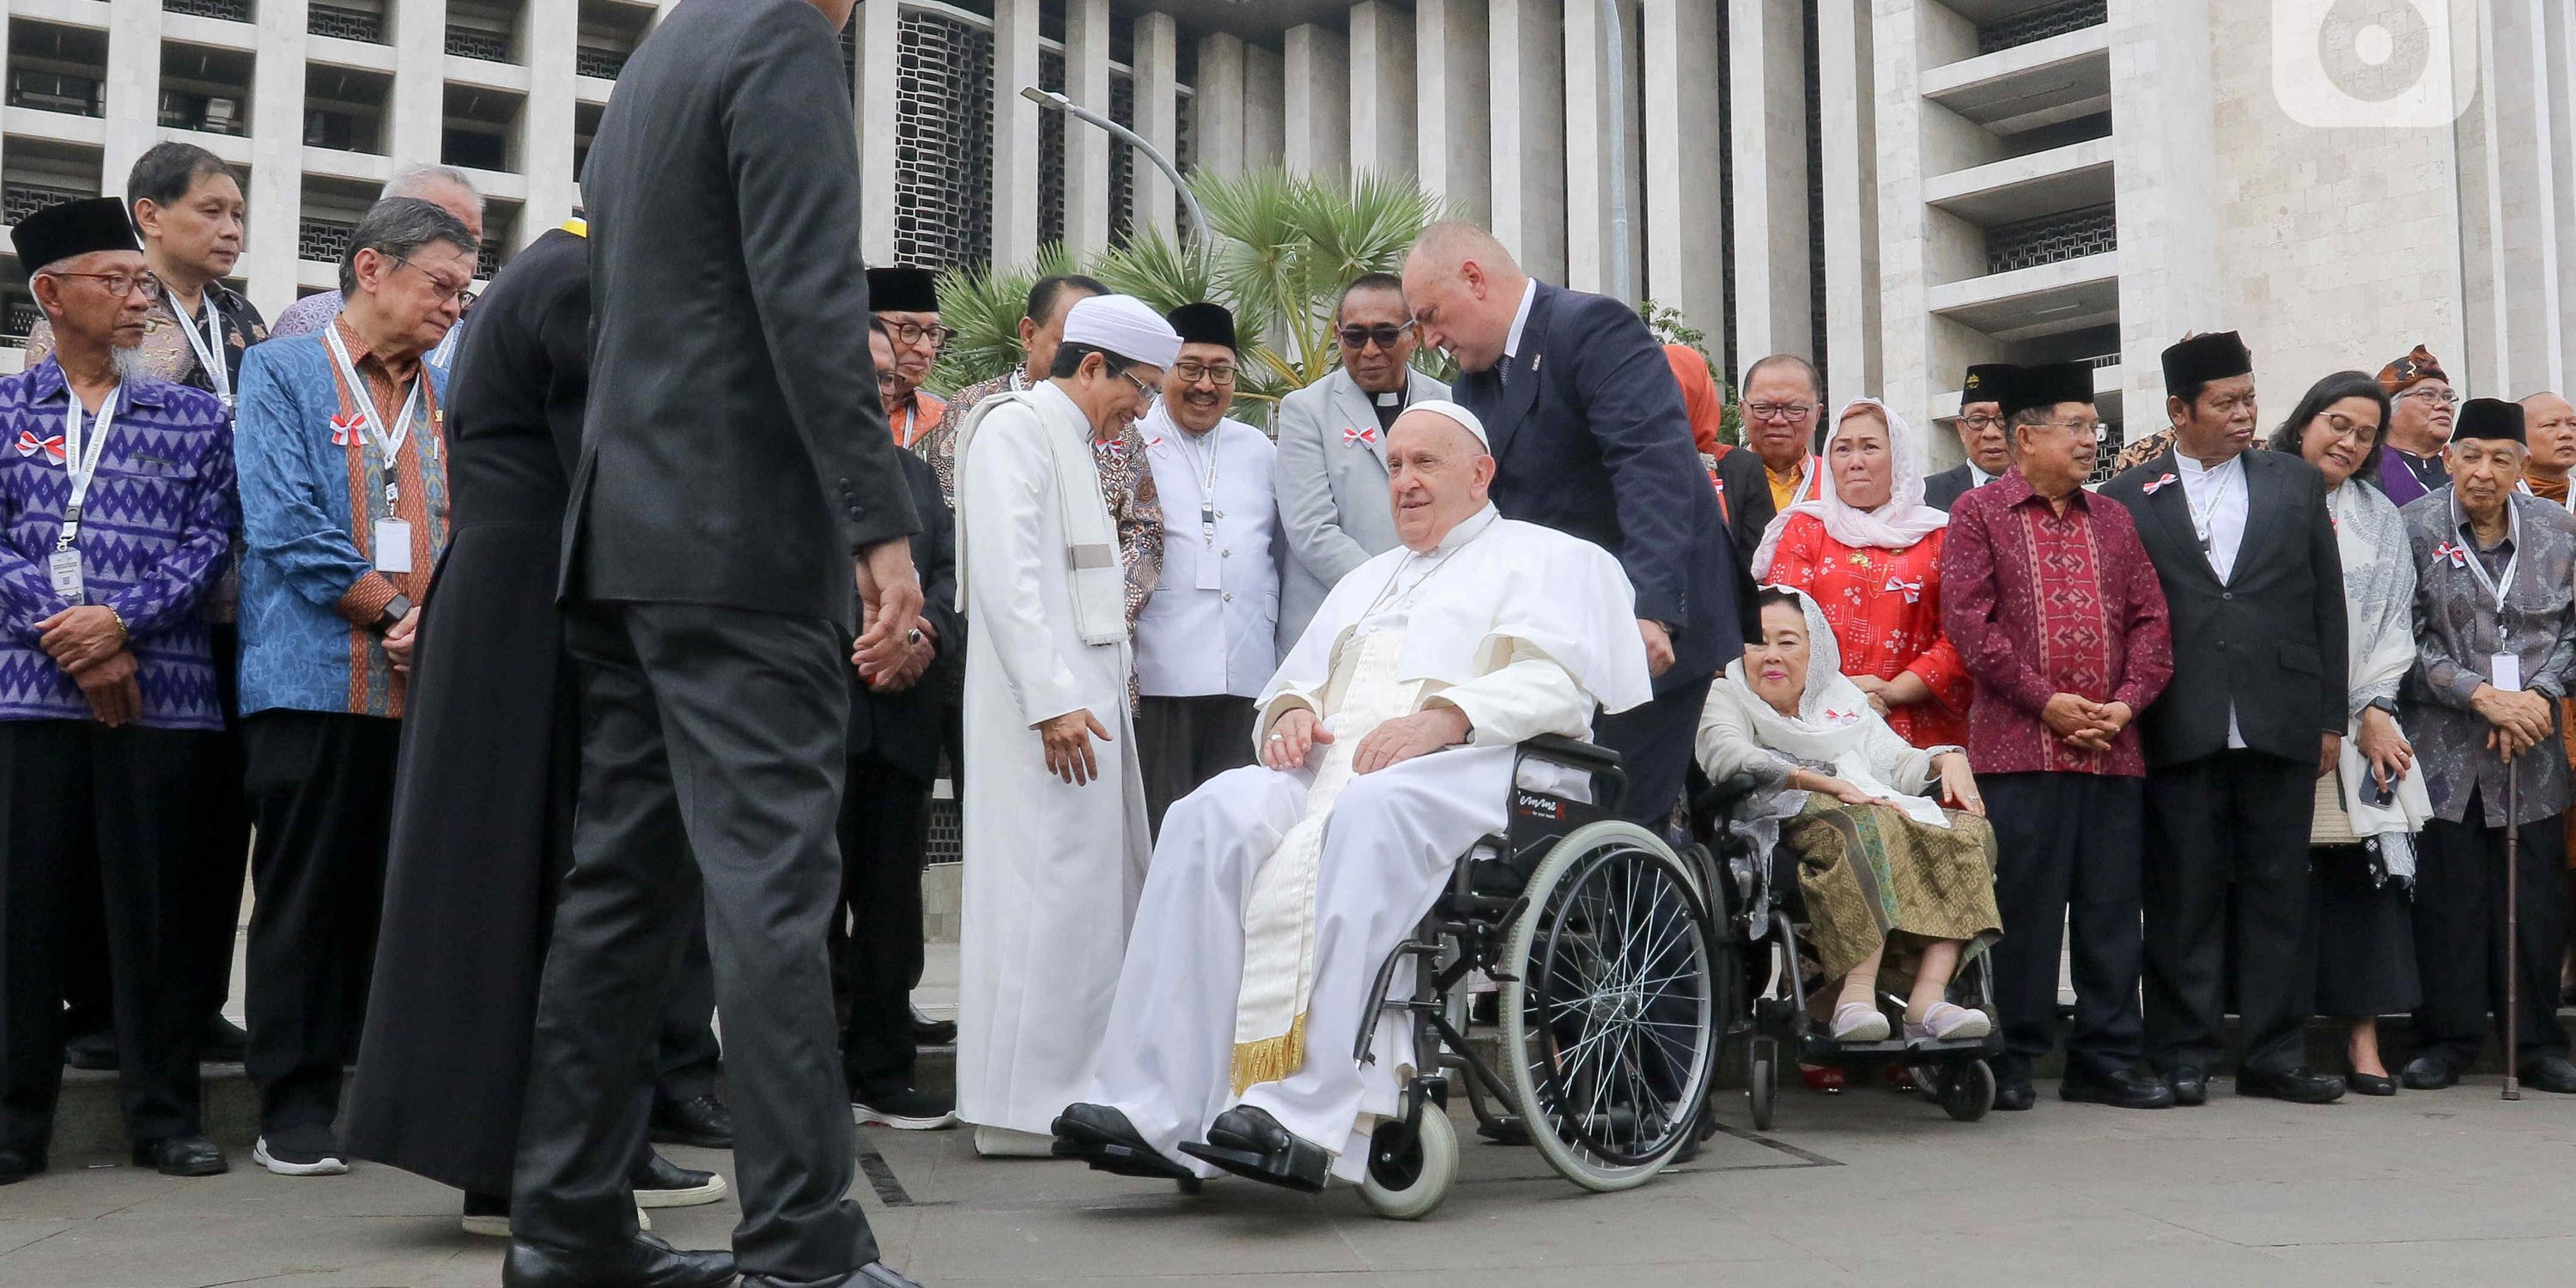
[
  {"x": 2459, "y": 629},
  {"x": 154, "y": 530}
]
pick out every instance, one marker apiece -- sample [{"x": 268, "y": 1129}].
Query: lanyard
[
  {"x": 388, "y": 441},
  {"x": 2204, "y": 522},
  {"x": 82, "y": 465},
  {"x": 2495, "y": 588},
  {"x": 1207, "y": 481},
  {"x": 208, "y": 347}
]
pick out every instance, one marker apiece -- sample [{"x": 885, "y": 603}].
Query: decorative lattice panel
[
  {"x": 474, "y": 42},
  {"x": 2042, "y": 23},
  {"x": 2051, "y": 238},
  {"x": 1122, "y": 158},
  {"x": 944, "y": 141},
  {"x": 322, "y": 240},
  {"x": 345, "y": 23},
  {"x": 1051, "y": 128},
  {"x": 19, "y": 200},
  {"x": 229, "y": 10},
  {"x": 1185, "y": 155}
]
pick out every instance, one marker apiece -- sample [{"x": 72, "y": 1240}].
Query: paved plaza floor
[{"x": 1870, "y": 1188}]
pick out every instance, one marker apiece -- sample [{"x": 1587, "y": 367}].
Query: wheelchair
[
  {"x": 1770, "y": 1010},
  {"x": 1610, "y": 966}
]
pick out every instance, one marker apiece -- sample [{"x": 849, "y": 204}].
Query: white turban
[
  {"x": 1123, "y": 325},
  {"x": 1465, "y": 419}
]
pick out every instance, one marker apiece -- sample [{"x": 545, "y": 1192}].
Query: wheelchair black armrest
[
  {"x": 1720, "y": 800},
  {"x": 1571, "y": 753}
]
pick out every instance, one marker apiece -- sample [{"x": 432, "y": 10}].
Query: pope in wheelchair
[{"x": 1389, "y": 747}]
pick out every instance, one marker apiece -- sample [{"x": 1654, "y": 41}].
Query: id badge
[
  {"x": 1211, "y": 573},
  {"x": 2505, "y": 672},
  {"x": 393, "y": 545},
  {"x": 64, "y": 566}
]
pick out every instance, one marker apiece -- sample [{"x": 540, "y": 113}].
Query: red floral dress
[{"x": 1885, "y": 608}]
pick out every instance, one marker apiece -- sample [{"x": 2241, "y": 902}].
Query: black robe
[{"x": 482, "y": 826}]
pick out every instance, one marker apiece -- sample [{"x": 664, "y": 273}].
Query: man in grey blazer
[{"x": 1331, "y": 468}]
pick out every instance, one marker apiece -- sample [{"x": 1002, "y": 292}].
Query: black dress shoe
[
  {"x": 1251, "y": 1144},
  {"x": 929, "y": 1032},
  {"x": 224, "y": 1042},
  {"x": 2550, "y": 1073},
  {"x": 2430, "y": 1071},
  {"x": 660, "y": 1183},
  {"x": 702, "y": 1121},
  {"x": 875, "y": 1274},
  {"x": 1107, "y": 1141},
  {"x": 2120, "y": 1089},
  {"x": 2370, "y": 1084},
  {"x": 2013, "y": 1095},
  {"x": 2297, "y": 1086},
  {"x": 18, "y": 1164},
  {"x": 187, "y": 1155},
  {"x": 95, "y": 1052},
  {"x": 645, "y": 1263},
  {"x": 2190, "y": 1085}
]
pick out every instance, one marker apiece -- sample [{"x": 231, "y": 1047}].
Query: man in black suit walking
[
  {"x": 735, "y": 472},
  {"x": 2254, "y": 714},
  {"x": 1590, "y": 438}
]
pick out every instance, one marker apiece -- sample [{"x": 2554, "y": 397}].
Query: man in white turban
[
  {"x": 1055, "y": 839},
  {"x": 1387, "y": 749}
]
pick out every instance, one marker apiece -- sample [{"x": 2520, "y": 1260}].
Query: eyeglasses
[
  {"x": 1143, "y": 390},
  {"x": 2092, "y": 429},
  {"x": 2428, "y": 394},
  {"x": 2342, "y": 426},
  {"x": 1192, "y": 371},
  {"x": 1982, "y": 423},
  {"x": 915, "y": 333},
  {"x": 1358, "y": 338},
  {"x": 121, "y": 285},
  {"x": 463, "y": 295},
  {"x": 1794, "y": 413}
]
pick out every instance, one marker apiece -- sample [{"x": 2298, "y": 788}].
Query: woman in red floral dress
[{"x": 1869, "y": 551}]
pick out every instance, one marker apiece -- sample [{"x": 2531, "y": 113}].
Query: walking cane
[{"x": 2512, "y": 938}]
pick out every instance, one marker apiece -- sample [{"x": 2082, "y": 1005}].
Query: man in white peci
[{"x": 1386, "y": 746}]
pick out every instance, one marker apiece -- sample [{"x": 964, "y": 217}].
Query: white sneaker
[
  {"x": 1002, "y": 1142},
  {"x": 1854, "y": 1022},
  {"x": 292, "y": 1163},
  {"x": 497, "y": 1226}
]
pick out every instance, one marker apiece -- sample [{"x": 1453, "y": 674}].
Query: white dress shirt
[
  {"x": 2215, "y": 496},
  {"x": 1212, "y": 624},
  {"x": 1979, "y": 478},
  {"x": 1520, "y": 320}
]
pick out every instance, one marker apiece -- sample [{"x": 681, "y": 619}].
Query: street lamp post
[
  {"x": 1618, "y": 154},
  {"x": 1189, "y": 201}
]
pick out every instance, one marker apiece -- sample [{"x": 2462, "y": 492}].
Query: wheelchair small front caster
[{"x": 1410, "y": 1171}]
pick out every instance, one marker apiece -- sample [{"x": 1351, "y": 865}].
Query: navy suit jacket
[{"x": 1589, "y": 438}]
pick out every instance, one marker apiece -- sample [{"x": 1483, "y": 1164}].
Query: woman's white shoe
[
  {"x": 1944, "y": 1022},
  {"x": 1854, "y": 1022}
]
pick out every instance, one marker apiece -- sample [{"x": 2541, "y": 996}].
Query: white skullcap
[
  {"x": 1466, "y": 419},
  {"x": 1123, "y": 325}
]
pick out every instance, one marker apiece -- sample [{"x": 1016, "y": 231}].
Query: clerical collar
[
  {"x": 1468, "y": 529},
  {"x": 1520, "y": 320}
]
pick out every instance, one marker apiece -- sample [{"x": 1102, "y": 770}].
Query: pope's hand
[
  {"x": 1068, "y": 749},
  {"x": 1406, "y": 737},
  {"x": 1292, "y": 738}
]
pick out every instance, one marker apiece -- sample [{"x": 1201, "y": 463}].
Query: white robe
[
  {"x": 1525, "y": 630},
  {"x": 1052, "y": 870}
]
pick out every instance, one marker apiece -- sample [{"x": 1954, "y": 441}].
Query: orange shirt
[{"x": 916, "y": 418}]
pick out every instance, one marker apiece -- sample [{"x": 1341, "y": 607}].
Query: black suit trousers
[
  {"x": 2227, "y": 855},
  {"x": 2066, "y": 854},
  {"x": 877, "y": 948},
  {"x": 2460, "y": 942},
  {"x": 716, "y": 733},
  {"x": 1654, "y": 746},
  {"x": 83, "y": 806}
]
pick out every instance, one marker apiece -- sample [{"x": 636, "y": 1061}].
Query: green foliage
[
  {"x": 984, "y": 309},
  {"x": 1670, "y": 328}
]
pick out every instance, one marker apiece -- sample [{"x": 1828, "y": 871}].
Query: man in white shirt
[{"x": 1207, "y": 640}]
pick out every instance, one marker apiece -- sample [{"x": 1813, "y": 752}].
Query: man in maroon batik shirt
[{"x": 2052, "y": 603}]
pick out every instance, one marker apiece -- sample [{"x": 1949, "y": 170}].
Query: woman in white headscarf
[
  {"x": 1869, "y": 550},
  {"x": 1887, "y": 872}
]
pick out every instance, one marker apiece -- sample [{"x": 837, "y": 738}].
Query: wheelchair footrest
[
  {"x": 1123, "y": 1160},
  {"x": 1302, "y": 1168}
]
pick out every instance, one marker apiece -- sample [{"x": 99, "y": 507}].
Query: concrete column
[
  {"x": 874, "y": 105},
  {"x": 1217, "y": 112},
  {"x": 1086, "y": 147},
  {"x": 1528, "y": 82},
  {"x": 1316, "y": 98},
  {"x": 1767, "y": 81},
  {"x": 415, "y": 120},
  {"x": 1383, "y": 110},
  {"x": 1015, "y": 133},
  {"x": 1849, "y": 125},
  {"x": 1453, "y": 96},
  {"x": 133, "y": 88},
  {"x": 1590, "y": 116},
  {"x": 276, "y": 181},
  {"x": 1907, "y": 380},
  {"x": 545, "y": 152},
  {"x": 1158, "y": 101},
  {"x": 1265, "y": 107},
  {"x": 2167, "y": 193},
  {"x": 2527, "y": 313},
  {"x": 1684, "y": 230}
]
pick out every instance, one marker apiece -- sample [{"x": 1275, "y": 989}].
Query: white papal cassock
[
  {"x": 1244, "y": 969},
  {"x": 1052, "y": 870}
]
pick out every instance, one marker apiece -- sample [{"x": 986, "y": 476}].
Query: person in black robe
[{"x": 482, "y": 827}]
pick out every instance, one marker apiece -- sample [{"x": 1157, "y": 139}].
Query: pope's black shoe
[
  {"x": 2431, "y": 1071},
  {"x": 2298, "y": 1086},
  {"x": 2120, "y": 1089},
  {"x": 1104, "y": 1139},
  {"x": 2190, "y": 1085},
  {"x": 186, "y": 1155},
  {"x": 18, "y": 1164},
  {"x": 875, "y": 1274},
  {"x": 2550, "y": 1073},
  {"x": 702, "y": 1121},
  {"x": 645, "y": 1263},
  {"x": 1251, "y": 1144}
]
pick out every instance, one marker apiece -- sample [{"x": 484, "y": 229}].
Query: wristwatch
[
  {"x": 2388, "y": 705},
  {"x": 396, "y": 609}
]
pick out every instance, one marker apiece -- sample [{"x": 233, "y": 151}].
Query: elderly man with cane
[{"x": 2495, "y": 638}]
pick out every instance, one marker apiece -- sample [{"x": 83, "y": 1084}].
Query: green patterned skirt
[{"x": 1873, "y": 876}]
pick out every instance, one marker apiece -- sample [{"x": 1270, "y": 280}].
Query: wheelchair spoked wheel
[
  {"x": 1410, "y": 1172},
  {"x": 1611, "y": 1019}
]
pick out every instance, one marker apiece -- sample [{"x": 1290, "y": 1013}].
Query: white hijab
[
  {"x": 1834, "y": 720},
  {"x": 1896, "y": 525}
]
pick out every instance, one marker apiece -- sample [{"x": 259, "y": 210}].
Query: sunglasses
[{"x": 1385, "y": 336}]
